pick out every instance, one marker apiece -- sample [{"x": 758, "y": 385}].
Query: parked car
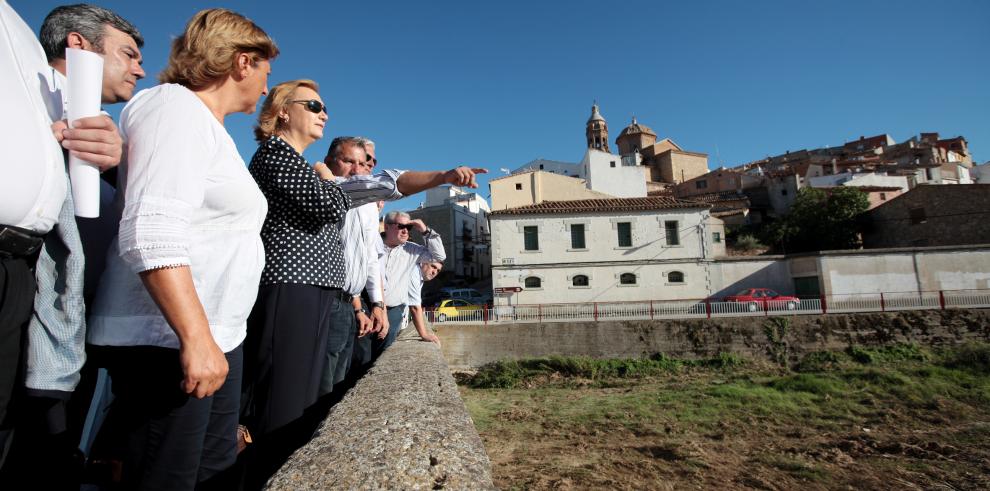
[
  {"x": 763, "y": 299},
  {"x": 469, "y": 294},
  {"x": 454, "y": 307}
]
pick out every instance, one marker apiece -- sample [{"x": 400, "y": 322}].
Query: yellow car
[{"x": 452, "y": 308}]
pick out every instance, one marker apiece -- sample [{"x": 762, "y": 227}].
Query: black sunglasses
[
  {"x": 407, "y": 226},
  {"x": 313, "y": 106}
]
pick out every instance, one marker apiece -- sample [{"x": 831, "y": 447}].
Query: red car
[{"x": 763, "y": 299}]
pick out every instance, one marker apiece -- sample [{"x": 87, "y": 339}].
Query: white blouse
[{"x": 187, "y": 199}]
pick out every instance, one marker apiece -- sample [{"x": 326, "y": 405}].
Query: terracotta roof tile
[{"x": 602, "y": 205}]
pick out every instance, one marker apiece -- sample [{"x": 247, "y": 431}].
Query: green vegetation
[
  {"x": 517, "y": 373},
  {"x": 820, "y": 219},
  {"x": 748, "y": 243},
  {"x": 779, "y": 424}
]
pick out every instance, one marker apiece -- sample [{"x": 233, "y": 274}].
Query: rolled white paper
[{"x": 84, "y": 74}]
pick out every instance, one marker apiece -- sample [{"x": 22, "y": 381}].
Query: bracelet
[
  {"x": 358, "y": 311},
  {"x": 378, "y": 304}
]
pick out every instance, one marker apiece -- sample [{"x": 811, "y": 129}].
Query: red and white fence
[{"x": 709, "y": 308}]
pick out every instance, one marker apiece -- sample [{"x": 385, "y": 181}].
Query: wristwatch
[
  {"x": 378, "y": 304},
  {"x": 358, "y": 311},
  {"x": 428, "y": 231}
]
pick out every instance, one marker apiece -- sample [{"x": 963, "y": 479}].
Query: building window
[
  {"x": 675, "y": 277},
  {"x": 611, "y": 164},
  {"x": 579, "y": 280},
  {"x": 518, "y": 186},
  {"x": 627, "y": 279},
  {"x": 531, "y": 238},
  {"x": 783, "y": 192},
  {"x": 717, "y": 237},
  {"x": 672, "y": 233},
  {"x": 577, "y": 236},
  {"x": 541, "y": 166},
  {"x": 533, "y": 282},
  {"x": 702, "y": 184},
  {"x": 624, "y": 230},
  {"x": 917, "y": 215},
  {"x": 883, "y": 196}
]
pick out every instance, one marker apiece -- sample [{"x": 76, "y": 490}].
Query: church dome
[
  {"x": 635, "y": 128},
  {"x": 595, "y": 115}
]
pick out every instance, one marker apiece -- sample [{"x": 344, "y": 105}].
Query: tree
[{"x": 821, "y": 219}]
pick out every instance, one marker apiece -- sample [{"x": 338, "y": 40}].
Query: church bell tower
[{"x": 597, "y": 130}]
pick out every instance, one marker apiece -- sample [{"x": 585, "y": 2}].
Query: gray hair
[
  {"x": 338, "y": 143},
  {"x": 367, "y": 142},
  {"x": 392, "y": 216},
  {"x": 88, "y": 20}
]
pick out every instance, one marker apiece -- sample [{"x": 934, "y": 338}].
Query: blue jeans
[
  {"x": 340, "y": 344},
  {"x": 394, "y": 324}
]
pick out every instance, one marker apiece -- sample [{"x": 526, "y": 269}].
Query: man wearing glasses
[
  {"x": 401, "y": 259},
  {"x": 348, "y": 160}
]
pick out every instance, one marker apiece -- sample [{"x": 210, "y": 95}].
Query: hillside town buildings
[{"x": 649, "y": 222}]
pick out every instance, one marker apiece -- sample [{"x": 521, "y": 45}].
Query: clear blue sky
[{"x": 498, "y": 84}]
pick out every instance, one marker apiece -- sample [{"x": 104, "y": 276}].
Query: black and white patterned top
[{"x": 302, "y": 242}]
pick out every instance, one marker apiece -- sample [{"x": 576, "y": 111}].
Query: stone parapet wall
[
  {"x": 471, "y": 346},
  {"x": 402, "y": 426}
]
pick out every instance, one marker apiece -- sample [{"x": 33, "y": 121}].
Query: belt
[
  {"x": 18, "y": 242},
  {"x": 340, "y": 294}
]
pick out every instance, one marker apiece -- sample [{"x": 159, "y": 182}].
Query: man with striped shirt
[{"x": 348, "y": 158}]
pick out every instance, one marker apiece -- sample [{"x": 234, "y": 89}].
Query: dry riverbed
[{"x": 901, "y": 417}]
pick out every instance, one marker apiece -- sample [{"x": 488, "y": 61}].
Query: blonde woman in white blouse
[{"x": 170, "y": 316}]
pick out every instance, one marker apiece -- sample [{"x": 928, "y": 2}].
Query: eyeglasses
[
  {"x": 404, "y": 226},
  {"x": 313, "y": 106}
]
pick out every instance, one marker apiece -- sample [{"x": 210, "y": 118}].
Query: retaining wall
[
  {"x": 470, "y": 346},
  {"x": 403, "y": 426}
]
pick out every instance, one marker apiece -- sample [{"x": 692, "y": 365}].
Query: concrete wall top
[{"x": 403, "y": 426}]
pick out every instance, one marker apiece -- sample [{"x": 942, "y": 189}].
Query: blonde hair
[
  {"x": 279, "y": 97},
  {"x": 207, "y": 51}
]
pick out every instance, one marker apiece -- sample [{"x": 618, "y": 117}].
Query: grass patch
[
  {"x": 627, "y": 420},
  {"x": 797, "y": 468},
  {"x": 518, "y": 373},
  {"x": 810, "y": 383},
  {"x": 888, "y": 354},
  {"x": 974, "y": 357}
]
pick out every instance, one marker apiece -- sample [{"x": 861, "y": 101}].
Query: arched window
[
  {"x": 675, "y": 277},
  {"x": 579, "y": 280},
  {"x": 533, "y": 282},
  {"x": 627, "y": 279}
]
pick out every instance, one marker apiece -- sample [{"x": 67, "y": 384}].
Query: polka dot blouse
[{"x": 301, "y": 232}]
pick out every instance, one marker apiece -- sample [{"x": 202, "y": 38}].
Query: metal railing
[{"x": 711, "y": 307}]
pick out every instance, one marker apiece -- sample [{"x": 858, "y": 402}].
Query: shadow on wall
[{"x": 774, "y": 274}]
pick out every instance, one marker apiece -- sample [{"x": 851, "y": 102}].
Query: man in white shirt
[
  {"x": 54, "y": 336},
  {"x": 427, "y": 270},
  {"x": 401, "y": 259}
]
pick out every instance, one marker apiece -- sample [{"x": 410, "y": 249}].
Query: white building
[
  {"x": 552, "y": 166},
  {"x": 981, "y": 173},
  {"x": 610, "y": 174},
  {"x": 866, "y": 179},
  {"x": 461, "y": 219},
  {"x": 605, "y": 250}
]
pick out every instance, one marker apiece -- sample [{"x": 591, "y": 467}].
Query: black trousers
[
  {"x": 169, "y": 439},
  {"x": 17, "y": 289}
]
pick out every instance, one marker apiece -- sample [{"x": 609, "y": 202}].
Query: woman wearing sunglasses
[{"x": 300, "y": 285}]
